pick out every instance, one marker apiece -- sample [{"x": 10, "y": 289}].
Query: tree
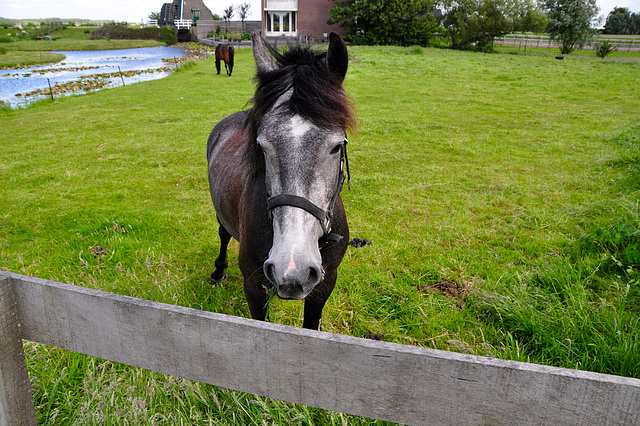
[
  {"x": 243, "y": 11},
  {"x": 570, "y": 22},
  {"x": 621, "y": 21},
  {"x": 474, "y": 24},
  {"x": 396, "y": 22},
  {"x": 528, "y": 17},
  {"x": 618, "y": 21},
  {"x": 635, "y": 23},
  {"x": 228, "y": 14},
  {"x": 155, "y": 15}
]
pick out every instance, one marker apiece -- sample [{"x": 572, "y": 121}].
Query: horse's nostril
[
  {"x": 270, "y": 272},
  {"x": 314, "y": 276}
]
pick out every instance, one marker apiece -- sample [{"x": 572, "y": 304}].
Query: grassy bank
[
  {"x": 28, "y": 52},
  {"x": 500, "y": 193},
  {"x": 75, "y": 44},
  {"x": 18, "y": 58}
]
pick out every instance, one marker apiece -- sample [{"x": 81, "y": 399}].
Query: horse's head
[{"x": 299, "y": 115}]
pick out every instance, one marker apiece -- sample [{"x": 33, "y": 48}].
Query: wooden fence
[
  {"x": 528, "y": 41},
  {"x": 182, "y": 24},
  {"x": 385, "y": 381}
]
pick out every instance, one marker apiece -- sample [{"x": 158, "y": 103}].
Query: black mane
[{"x": 317, "y": 94}]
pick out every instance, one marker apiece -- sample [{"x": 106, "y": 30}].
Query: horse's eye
[{"x": 336, "y": 149}]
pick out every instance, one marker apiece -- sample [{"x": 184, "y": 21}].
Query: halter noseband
[{"x": 324, "y": 216}]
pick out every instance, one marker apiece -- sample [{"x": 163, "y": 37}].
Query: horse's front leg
[
  {"x": 221, "y": 261},
  {"x": 218, "y": 65},
  {"x": 257, "y": 293},
  {"x": 332, "y": 255},
  {"x": 315, "y": 301},
  {"x": 257, "y": 288}
]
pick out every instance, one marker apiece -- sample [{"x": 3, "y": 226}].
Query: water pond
[{"x": 84, "y": 71}]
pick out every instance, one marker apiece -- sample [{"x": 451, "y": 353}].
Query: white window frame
[{"x": 293, "y": 22}]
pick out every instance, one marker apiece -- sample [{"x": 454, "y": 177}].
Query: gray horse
[{"x": 275, "y": 176}]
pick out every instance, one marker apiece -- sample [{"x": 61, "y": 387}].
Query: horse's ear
[
  {"x": 337, "y": 56},
  {"x": 264, "y": 60}
]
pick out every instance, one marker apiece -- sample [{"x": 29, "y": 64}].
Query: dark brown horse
[
  {"x": 275, "y": 176},
  {"x": 225, "y": 52}
]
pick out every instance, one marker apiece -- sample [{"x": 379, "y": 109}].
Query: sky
[
  {"x": 138, "y": 10},
  {"x": 113, "y": 10}
]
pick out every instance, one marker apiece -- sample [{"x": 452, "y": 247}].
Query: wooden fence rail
[
  {"x": 182, "y": 24},
  {"x": 528, "y": 41},
  {"x": 385, "y": 381}
]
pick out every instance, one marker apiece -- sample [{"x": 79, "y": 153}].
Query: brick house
[
  {"x": 279, "y": 17},
  {"x": 297, "y": 17}
]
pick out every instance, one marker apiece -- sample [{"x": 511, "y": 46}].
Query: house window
[{"x": 281, "y": 22}]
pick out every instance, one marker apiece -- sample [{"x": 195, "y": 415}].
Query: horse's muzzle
[{"x": 294, "y": 283}]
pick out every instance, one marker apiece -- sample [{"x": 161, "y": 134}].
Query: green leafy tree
[
  {"x": 621, "y": 21},
  {"x": 154, "y": 15},
  {"x": 395, "y": 22},
  {"x": 617, "y": 21},
  {"x": 527, "y": 16},
  {"x": 635, "y": 23},
  {"x": 474, "y": 24},
  {"x": 570, "y": 22}
]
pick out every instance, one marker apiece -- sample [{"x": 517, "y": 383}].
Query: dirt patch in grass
[{"x": 456, "y": 292}]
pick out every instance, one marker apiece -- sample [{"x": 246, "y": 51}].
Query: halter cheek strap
[
  {"x": 324, "y": 217},
  {"x": 345, "y": 157}
]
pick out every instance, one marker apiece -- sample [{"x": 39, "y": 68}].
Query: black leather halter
[{"x": 324, "y": 216}]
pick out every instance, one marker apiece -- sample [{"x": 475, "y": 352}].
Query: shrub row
[{"x": 123, "y": 32}]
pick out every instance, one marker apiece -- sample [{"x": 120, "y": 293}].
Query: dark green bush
[
  {"x": 604, "y": 47},
  {"x": 168, "y": 36},
  {"x": 123, "y": 32}
]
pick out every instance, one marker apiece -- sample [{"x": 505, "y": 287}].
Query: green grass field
[{"x": 500, "y": 193}]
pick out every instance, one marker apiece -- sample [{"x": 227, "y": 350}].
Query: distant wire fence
[{"x": 528, "y": 41}]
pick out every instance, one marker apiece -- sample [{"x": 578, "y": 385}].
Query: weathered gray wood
[
  {"x": 16, "y": 402},
  {"x": 381, "y": 380}
]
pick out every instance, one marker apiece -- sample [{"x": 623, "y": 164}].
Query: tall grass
[{"x": 484, "y": 182}]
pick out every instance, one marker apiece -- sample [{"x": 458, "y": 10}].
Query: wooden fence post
[{"x": 16, "y": 402}]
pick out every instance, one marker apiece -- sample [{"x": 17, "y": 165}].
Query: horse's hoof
[{"x": 217, "y": 278}]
